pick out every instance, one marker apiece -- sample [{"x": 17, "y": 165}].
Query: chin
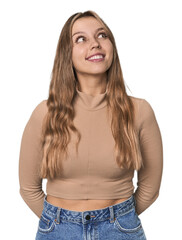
[{"x": 97, "y": 70}]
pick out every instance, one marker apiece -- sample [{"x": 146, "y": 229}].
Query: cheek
[
  {"x": 78, "y": 54},
  {"x": 73, "y": 54},
  {"x": 110, "y": 51},
  {"x": 109, "y": 48}
]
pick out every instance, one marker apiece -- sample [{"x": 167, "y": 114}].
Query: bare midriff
[{"x": 82, "y": 205}]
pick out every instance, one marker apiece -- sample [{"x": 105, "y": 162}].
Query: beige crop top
[{"x": 94, "y": 174}]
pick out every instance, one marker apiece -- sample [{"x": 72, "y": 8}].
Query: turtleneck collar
[{"x": 90, "y": 102}]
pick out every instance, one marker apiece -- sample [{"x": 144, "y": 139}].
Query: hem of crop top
[{"x": 102, "y": 197}]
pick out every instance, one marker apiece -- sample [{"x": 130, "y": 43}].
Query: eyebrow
[{"x": 98, "y": 29}]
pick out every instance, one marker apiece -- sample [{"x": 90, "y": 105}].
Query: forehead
[{"x": 85, "y": 24}]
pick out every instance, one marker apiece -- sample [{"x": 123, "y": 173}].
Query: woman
[{"x": 87, "y": 139}]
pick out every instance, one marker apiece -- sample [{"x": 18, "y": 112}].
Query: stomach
[{"x": 80, "y": 205}]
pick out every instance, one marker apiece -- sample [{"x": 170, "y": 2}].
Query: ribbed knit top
[
  {"x": 89, "y": 102},
  {"x": 94, "y": 173}
]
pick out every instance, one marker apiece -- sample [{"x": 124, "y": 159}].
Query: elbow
[
  {"x": 24, "y": 193},
  {"x": 154, "y": 197},
  {"x": 34, "y": 199},
  {"x": 143, "y": 201},
  {"x": 151, "y": 198},
  {"x": 31, "y": 194}
]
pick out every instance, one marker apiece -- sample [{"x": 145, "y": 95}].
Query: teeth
[{"x": 96, "y": 57}]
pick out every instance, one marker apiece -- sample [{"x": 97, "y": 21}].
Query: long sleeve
[
  {"x": 30, "y": 159},
  {"x": 149, "y": 177}
]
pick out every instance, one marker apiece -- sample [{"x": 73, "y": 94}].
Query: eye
[
  {"x": 103, "y": 34},
  {"x": 79, "y": 38},
  {"x": 82, "y": 37}
]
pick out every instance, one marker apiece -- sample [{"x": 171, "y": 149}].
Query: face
[{"x": 89, "y": 38}]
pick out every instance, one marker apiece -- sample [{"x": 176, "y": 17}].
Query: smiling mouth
[{"x": 96, "y": 58}]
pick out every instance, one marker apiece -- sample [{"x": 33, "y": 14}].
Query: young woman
[{"x": 87, "y": 139}]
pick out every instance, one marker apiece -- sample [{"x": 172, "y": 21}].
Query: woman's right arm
[
  {"x": 149, "y": 176},
  {"x": 30, "y": 159}
]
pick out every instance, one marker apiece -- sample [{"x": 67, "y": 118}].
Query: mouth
[{"x": 96, "y": 58}]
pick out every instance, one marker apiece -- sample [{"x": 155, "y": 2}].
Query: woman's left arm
[{"x": 150, "y": 175}]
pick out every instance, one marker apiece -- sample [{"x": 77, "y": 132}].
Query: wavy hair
[{"x": 59, "y": 119}]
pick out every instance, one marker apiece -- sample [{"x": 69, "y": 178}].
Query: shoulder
[
  {"x": 136, "y": 102},
  {"x": 33, "y": 127},
  {"x": 41, "y": 108},
  {"x": 143, "y": 110},
  {"x": 38, "y": 113},
  {"x": 142, "y": 105}
]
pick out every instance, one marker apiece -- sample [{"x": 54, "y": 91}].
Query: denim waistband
[{"x": 89, "y": 216}]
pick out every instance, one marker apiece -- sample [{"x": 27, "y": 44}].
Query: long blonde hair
[{"x": 59, "y": 119}]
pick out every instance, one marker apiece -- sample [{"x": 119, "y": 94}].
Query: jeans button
[{"x": 87, "y": 217}]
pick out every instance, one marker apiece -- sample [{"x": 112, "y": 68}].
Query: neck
[
  {"x": 90, "y": 102},
  {"x": 92, "y": 85}
]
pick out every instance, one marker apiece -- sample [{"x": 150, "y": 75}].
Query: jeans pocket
[
  {"x": 128, "y": 222},
  {"x": 46, "y": 223}
]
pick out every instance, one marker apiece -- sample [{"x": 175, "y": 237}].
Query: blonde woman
[{"x": 87, "y": 139}]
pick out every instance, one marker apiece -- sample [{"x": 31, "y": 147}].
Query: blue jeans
[{"x": 116, "y": 222}]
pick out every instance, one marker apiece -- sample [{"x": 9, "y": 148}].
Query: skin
[
  {"x": 92, "y": 79},
  {"x": 92, "y": 76}
]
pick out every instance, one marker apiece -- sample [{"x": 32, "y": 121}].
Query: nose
[{"x": 95, "y": 44}]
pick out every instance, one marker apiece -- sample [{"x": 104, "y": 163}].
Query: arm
[
  {"x": 29, "y": 161},
  {"x": 149, "y": 177}
]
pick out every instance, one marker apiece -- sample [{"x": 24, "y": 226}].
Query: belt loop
[
  {"x": 111, "y": 214},
  {"x": 58, "y": 215}
]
